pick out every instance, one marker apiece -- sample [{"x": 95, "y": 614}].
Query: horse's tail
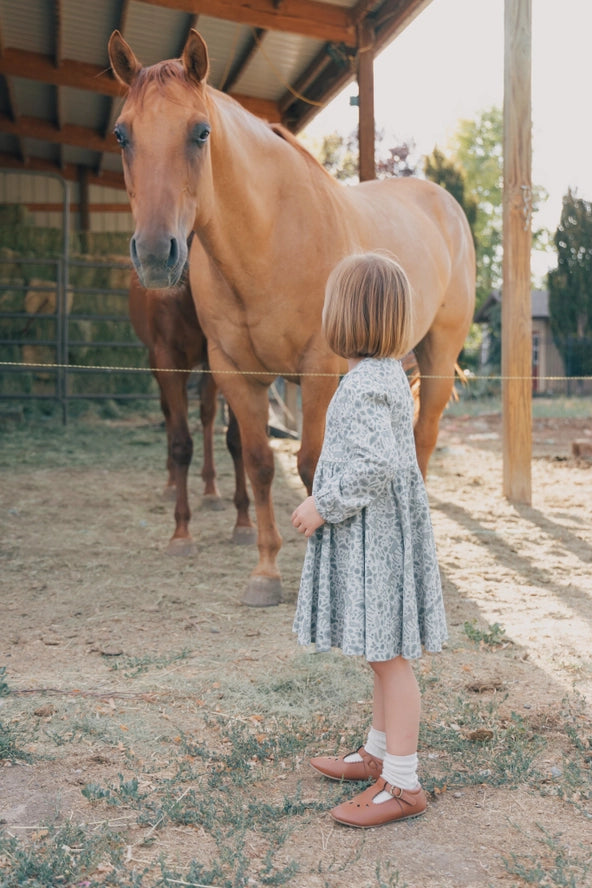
[{"x": 411, "y": 368}]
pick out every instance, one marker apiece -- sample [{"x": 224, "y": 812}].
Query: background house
[{"x": 548, "y": 367}]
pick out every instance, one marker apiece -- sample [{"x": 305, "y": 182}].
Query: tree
[
  {"x": 570, "y": 286},
  {"x": 478, "y": 146},
  {"x": 339, "y": 155},
  {"x": 450, "y": 175}
]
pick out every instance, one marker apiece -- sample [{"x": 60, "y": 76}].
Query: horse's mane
[{"x": 291, "y": 139}]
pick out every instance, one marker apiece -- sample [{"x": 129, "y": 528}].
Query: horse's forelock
[{"x": 161, "y": 76}]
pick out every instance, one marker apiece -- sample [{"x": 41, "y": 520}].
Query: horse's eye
[
  {"x": 200, "y": 134},
  {"x": 121, "y": 135}
]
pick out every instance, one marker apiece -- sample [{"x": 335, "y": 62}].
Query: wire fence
[{"x": 66, "y": 335}]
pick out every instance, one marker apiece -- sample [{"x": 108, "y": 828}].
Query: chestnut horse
[
  {"x": 166, "y": 322},
  {"x": 270, "y": 223}
]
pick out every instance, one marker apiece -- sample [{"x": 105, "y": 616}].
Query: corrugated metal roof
[{"x": 58, "y": 100}]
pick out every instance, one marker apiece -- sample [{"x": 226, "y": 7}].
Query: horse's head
[{"x": 163, "y": 131}]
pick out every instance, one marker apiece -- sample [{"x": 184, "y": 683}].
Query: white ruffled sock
[
  {"x": 375, "y": 745},
  {"x": 399, "y": 771}
]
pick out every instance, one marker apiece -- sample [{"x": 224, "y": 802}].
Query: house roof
[
  {"x": 283, "y": 59},
  {"x": 539, "y": 300}
]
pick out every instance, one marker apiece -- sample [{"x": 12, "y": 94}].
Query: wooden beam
[
  {"x": 107, "y": 179},
  {"x": 79, "y": 75},
  {"x": 517, "y": 239},
  {"x": 366, "y": 125},
  {"x": 239, "y": 64},
  {"x": 389, "y": 20},
  {"x": 301, "y": 84},
  {"x": 53, "y": 207},
  {"x": 323, "y": 21},
  {"x": 69, "y": 134}
]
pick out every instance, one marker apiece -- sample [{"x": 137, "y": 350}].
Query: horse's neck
[{"x": 252, "y": 168}]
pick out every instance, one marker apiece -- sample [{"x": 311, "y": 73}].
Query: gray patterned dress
[{"x": 370, "y": 581}]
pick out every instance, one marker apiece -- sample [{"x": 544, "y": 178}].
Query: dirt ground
[{"x": 116, "y": 655}]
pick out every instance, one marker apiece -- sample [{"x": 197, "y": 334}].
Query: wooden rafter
[
  {"x": 322, "y": 21},
  {"x": 240, "y": 63}
]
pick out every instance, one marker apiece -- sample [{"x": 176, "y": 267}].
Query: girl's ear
[
  {"x": 124, "y": 64},
  {"x": 195, "y": 57}
]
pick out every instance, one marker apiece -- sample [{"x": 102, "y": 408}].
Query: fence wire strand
[{"x": 285, "y": 374}]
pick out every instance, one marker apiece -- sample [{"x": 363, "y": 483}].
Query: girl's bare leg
[{"x": 396, "y": 705}]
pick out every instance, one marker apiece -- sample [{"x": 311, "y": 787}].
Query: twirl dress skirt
[{"x": 370, "y": 582}]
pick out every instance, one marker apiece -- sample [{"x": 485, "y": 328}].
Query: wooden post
[
  {"x": 516, "y": 288},
  {"x": 367, "y": 168}
]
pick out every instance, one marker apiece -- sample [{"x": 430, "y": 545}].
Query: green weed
[
  {"x": 556, "y": 865},
  {"x": 4, "y": 689},
  {"x": 10, "y": 749},
  {"x": 494, "y": 636}
]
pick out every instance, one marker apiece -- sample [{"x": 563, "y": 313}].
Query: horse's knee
[{"x": 182, "y": 449}]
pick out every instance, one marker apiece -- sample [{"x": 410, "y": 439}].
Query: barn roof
[{"x": 283, "y": 59}]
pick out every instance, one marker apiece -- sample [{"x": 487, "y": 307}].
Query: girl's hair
[{"x": 367, "y": 311}]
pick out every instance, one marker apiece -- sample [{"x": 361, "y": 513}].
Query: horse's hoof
[
  {"x": 181, "y": 546},
  {"x": 212, "y": 502},
  {"x": 263, "y": 592},
  {"x": 244, "y": 536}
]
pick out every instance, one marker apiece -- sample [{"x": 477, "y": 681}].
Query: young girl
[{"x": 370, "y": 582}]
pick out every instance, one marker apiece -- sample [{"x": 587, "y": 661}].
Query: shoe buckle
[{"x": 395, "y": 791}]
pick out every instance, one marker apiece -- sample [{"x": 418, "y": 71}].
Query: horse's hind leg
[
  {"x": 244, "y": 532},
  {"x": 436, "y": 358},
  {"x": 208, "y": 392}
]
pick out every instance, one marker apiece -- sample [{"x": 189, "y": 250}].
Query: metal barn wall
[{"x": 42, "y": 198}]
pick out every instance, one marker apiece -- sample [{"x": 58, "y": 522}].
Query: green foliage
[
  {"x": 570, "y": 294},
  {"x": 340, "y": 156},
  {"x": 478, "y": 150},
  {"x": 447, "y": 173}
]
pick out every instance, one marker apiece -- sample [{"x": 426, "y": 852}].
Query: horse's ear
[
  {"x": 195, "y": 57},
  {"x": 124, "y": 64}
]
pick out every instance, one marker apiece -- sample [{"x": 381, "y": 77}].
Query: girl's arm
[{"x": 369, "y": 464}]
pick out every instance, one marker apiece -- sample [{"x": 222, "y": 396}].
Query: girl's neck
[{"x": 353, "y": 362}]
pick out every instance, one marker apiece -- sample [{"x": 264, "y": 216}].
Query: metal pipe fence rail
[{"x": 52, "y": 335}]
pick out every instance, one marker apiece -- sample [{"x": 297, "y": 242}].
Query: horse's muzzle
[{"x": 160, "y": 263}]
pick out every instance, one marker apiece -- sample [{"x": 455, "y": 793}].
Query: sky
[{"x": 448, "y": 65}]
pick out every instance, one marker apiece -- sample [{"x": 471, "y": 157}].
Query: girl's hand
[{"x": 305, "y": 518}]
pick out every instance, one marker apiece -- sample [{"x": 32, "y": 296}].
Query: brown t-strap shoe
[
  {"x": 336, "y": 768},
  {"x": 363, "y": 812}
]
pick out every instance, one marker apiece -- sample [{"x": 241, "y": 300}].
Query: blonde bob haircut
[{"x": 367, "y": 310}]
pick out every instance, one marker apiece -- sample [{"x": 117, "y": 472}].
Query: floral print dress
[{"x": 370, "y": 582}]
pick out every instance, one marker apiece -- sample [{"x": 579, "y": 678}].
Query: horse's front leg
[
  {"x": 248, "y": 399},
  {"x": 316, "y": 393},
  {"x": 173, "y": 400}
]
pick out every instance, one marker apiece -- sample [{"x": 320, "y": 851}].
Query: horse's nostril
[
  {"x": 173, "y": 253},
  {"x": 134, "y": 251}
]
